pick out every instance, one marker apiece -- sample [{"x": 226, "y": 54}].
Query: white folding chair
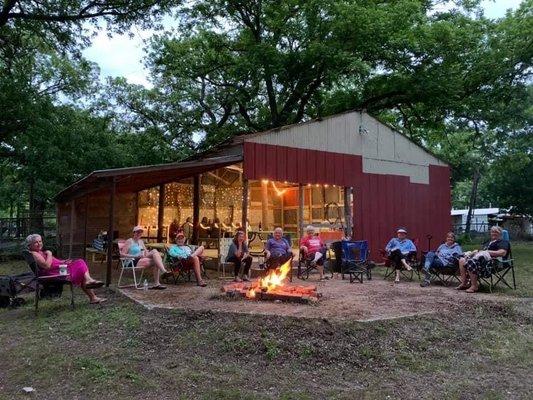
[
  {"x": 223, "y": 248},
  {"x": 128, "y": 264}
]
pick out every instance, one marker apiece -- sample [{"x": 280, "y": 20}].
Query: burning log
[{"x": 272, "y": 287}]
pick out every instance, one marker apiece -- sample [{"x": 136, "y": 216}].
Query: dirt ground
[{"x": 373, "y": 300}]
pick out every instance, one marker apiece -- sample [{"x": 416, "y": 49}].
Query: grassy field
[{"x": 119, "y": 350}]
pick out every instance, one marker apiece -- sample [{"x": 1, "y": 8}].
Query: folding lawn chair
[
  {"x": 47, "y": 285},
  {"x": 500, "y": 267},
  {"x": 355, "y": 260},
  {"x": 223, "y": 249},
  {"x": 180, "y": 271},
  {"x": 305, "y": 267},
  {"x": 412, "y": 259},
  {"x": 127, "y": 264},
  {"x": 445, "y": 275}
]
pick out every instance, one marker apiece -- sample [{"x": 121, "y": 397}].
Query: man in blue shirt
[
  {"x": 399, "y": 249},
  {"x": 446, "y": 255},
  {"x": 277, "y": 250}
]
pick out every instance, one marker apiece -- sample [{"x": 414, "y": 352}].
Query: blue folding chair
[{"x": 355, "y": 260}]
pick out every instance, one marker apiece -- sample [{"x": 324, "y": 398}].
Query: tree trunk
[
  {"x": 473, "y": 198},
  {"x": 36, "y": 222}
]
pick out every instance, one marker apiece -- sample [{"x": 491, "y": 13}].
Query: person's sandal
[
  {"x": 462, "y": 287},
  {"x": 470, "y": 290},
  {"x": 202, "y": 284},
  {"x": 94, "y": 285},
  {"x": 99, "y": 301},
  {"x": 158, "y": 287}
]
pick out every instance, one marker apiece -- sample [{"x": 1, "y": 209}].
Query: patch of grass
[
  {"x": 272, "y": 349},
  {"x": 95, "y": 369}
]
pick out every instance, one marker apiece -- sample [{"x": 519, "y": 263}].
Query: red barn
[{"x": 347, "y": 171}]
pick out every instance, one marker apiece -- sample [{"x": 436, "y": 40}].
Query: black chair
[
  {"x": 305, "y": 266},
  {"x": 500, "y": 267},
  {"x": 47, "y": 286},
  {"x": 412, "y": 259},
  {"x": 447, "y": 274}
]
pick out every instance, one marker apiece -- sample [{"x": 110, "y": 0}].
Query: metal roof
[{"x": 133, "y": 179}]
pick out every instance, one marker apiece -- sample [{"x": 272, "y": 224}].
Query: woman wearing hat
[
  {"x": 398, "y": 250},
  {"x": 143, "y": 258},
  {"x": 188, "y": 257}
]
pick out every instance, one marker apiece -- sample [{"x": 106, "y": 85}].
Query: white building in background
[{"x": 480, "y": 218}]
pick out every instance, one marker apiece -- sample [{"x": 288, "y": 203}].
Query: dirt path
[{"x": 373, "y": 300}]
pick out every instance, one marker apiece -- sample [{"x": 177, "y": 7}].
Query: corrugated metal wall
[{"x": 381, "y": 202}]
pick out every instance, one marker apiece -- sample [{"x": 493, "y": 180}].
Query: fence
[{"x": 13, "y": 229}]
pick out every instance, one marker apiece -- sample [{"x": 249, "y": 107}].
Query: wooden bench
[{"x": 94, "y": 253}]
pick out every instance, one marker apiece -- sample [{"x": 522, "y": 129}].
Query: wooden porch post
[
  {"x": 160, "y": 213},
  {"x": 110, "y": 229},
  {"x": 72, "y": 226},
  {"x": 195, "y": 208},
  {"x": 244, "y": 220},
  {"x": 85, "y": 227},
  {"x": 301, "y": 201},
  {"x": 264, "y": 204},
  {"x": 348, "y": 210}
]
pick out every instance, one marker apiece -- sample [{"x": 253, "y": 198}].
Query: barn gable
[{"x": 384, "y": 151}]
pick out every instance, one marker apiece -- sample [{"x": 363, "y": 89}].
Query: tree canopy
[{"x": 452, "y": 80}]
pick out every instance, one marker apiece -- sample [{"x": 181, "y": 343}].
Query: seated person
[
  {"x": 77, "y": 269},
  {"x": 277, "y": 250},
  {"x": 186, "y": 228},
  {"x": 142, "y": 258},
  {"x": 239, "y": 255},
  {"x": 446, "y": 255},
  {"x": 398, "y": 250},
  {"x": 314, "y": 249},
  {"x": 477, "y": 263},
  {"x": 173, "y": 229},
  {"x": 216, "y": 229},
  {"x": 189, "y": 258}
]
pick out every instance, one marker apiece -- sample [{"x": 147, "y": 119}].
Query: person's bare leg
[
  {"x": 462, "y": 272},
  {"x": 93, "y": 298},
  {"x": 320, "y": 269},
  {"x": 474, "y": 285},
  {"x": 156, "y": 273},
  {"x": 397, "y": 279},
  {"x": 197, "y": 270},
  {"x": 157, "y": 260},
  {"x": 406, "y": 265},
  {"x": 199, "y": 251}
]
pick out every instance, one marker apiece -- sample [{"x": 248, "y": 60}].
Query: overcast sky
[{"x": 122, "y": 55}]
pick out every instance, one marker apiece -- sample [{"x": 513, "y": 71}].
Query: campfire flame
[{"x": 270, "y": 282}]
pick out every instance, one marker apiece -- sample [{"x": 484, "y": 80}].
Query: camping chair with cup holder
[
  {"x": 47, "y": 286},
  {"x": 306, "y": 266},
  {"x": 355, "y": 260},
  {"x": 179, "y": 270},
  {"x": 413, "y": 259},
  {"x": 500, "y": 268}
]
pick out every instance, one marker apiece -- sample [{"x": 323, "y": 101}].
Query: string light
[{"x": 278, "y": 191}]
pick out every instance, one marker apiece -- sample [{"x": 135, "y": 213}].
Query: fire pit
[{"x": 272, "y": 287}]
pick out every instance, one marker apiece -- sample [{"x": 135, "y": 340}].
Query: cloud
[{"x": 121, "y": 55}]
